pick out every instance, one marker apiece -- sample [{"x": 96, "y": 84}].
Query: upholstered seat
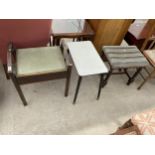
[
  {"x": 37, "y": 61},
  {"x": 150, "y": 54},
  {"x": 124, "y": 57}
]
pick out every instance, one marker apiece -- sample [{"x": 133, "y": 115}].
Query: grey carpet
[{"x": 49, "y": 112}]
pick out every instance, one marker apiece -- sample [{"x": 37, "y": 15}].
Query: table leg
[
  {"x": 50, "y": 42},
  {"x": 131, "y": 79},
  {"x": 56, "y": 41},
  {"x": 77, "y": 89},
  {"x": 100, "y": 87},
  {"x": 106, "y": 78},
  {"x": 145, "y": 80}
]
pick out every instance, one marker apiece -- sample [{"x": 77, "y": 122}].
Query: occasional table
[
  {"x": 76, "y": 29},
  {"x": 87, "y": 62}
]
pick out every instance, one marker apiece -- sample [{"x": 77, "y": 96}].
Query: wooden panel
[
  {"x": 150, "y": 33},
  {"x": 110, "y": 31},
  {"x": 94, "y": 23}
]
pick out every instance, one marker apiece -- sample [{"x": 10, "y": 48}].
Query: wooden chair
[
  {"x": 148, "y": 49},
  {"x": 29, "y": 65}
]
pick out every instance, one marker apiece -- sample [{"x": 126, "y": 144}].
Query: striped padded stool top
[{"x": 124, "y": 57}]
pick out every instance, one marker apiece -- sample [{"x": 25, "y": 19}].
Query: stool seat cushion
[
  {"x": 37, "y": 61},
  {"x": 124, "y": 57}
]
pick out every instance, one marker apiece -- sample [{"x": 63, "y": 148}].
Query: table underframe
[{"x": 103, "y": 77}]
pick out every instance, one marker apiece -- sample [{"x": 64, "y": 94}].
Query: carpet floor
[{"x": 49, "y": 112}]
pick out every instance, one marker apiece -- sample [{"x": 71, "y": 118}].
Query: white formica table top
[{"x": 86, "y": 59}]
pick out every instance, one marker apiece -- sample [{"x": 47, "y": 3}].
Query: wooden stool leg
[
  {"x": 131, "y": 79},
  {"x": 149, "y": 77},
  {"x": 68, "y": 80},
  {"x": 15, "y": 82},
  {"x": 5, "y": 70}
]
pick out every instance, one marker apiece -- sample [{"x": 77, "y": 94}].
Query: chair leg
[
  {"x": 131, "y": 79},
  {"x": 15, "y": 82},
  {"x": 5, "y": 70},
  {"x": 150, "y": 75},
  {"x": 68, "y": 80}
]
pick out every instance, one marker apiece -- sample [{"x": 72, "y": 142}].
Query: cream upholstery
[{"x": 42, "y": 60}]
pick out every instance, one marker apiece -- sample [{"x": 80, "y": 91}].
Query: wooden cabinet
[{"x": 109, "y": 31}]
